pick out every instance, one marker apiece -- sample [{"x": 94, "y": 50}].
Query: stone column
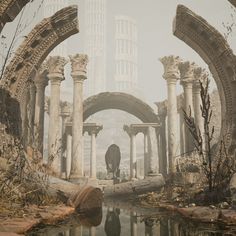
[
  {"x": 145, "y": 153},
  {"x": 133, "y": 156},
  {"x": 65, "y": 115},
  {"x": 162, "y": 113},
  {"x": 200, "y": 75},
  {"x": 56, "y": 76},
  {"x": 41, "y": 81},
  {"x": 181, "y": 124},
  {"x": 79, "y": 63},
  {"x": 187, "y": 77},
  {"x": 171, "y": 75},
  {"x": 133, "y": 224},
  {"x": 68, "y": 153},
  {"x": 93, "y": 155}
]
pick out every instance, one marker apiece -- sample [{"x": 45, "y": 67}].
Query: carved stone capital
[
  {"x": 79, "y": 66},
  {"x": 171, "y": 70},
  {"x": 41, "y": 79},
  {"x": 200, "y": 75},
  {"x": 56, "y": 68},
  {"x": 187, "y": 72}
]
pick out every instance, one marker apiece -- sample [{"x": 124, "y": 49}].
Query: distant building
[
  {"x": 95, "y": 46},
  {"x": 126, "y": 55},
  {"x": 50, "y": 8}
]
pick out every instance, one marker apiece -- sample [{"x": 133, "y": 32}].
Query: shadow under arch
[
  {"x": 215, "y": 51},
  {"x": 119, "y": 101}
]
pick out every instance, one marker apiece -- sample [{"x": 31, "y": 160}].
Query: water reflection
[{"x": 116, "y": 222}]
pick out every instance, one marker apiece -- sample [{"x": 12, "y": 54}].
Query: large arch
[
  {"x": 9, "y": 9},
  {"x": 39, "y": 43},
  {"x": 120, "y": 101},
  {"x": 215, "y": 51}
]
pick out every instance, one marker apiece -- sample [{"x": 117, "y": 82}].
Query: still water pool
[{"x": 130, "y": 221}]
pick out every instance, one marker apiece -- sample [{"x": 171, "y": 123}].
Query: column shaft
[
  {"x": 39, "y": 117},
  {"x": 163, "y": 147},
  {"x": 68, "y": 154},
  {"x": 172, "y": 124},
  {"x": 77, "y": 165},
  {"x": 93, "y": 164},
  {"x": 145, "y": 154},
  {"x": 132, "y": 156},
  {"x": 54, "y": 126}
]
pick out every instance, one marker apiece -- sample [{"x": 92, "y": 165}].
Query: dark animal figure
[
  {"x": 112, "y": 223},
  {"x": 112, "y": 158}
]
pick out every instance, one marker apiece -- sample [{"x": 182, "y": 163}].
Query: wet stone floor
[{"x": 111, "y": 221}]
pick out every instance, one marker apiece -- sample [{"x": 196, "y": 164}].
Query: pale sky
[{"x": 155, "y": 39}]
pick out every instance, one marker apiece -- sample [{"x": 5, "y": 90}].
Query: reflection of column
[
  {"x": 41, "y": 81},
  {"x": 181, "y": 124},
  {"x": 77, "y": 231},
  {"x": 171, "y": 74},
  {"x": 56, "y": 75},
  {"x": 65, "y": 115},
  {"x": 200, "y": 75},
  {"x": 92, "y": 231},
  {"x": 162, "y": 113},
  {"x": 133, "y": 224},
  {"x": 187, "y": 77},
  {"x": 79, "y": 63}
]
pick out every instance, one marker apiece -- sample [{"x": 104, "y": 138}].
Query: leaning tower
[
  {"x": 51, "y": 7},
  {"x": 95, "y": 46},
  {"x": 126, "y": 69}
]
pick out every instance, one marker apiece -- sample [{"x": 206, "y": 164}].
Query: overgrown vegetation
[{"x": 217, "y": 166}]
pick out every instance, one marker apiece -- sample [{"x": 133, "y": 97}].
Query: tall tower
[
  {"x": 95, "y": 46},
  {"x": 126, "y": 69},
  {"x": 50, "y": 8}
]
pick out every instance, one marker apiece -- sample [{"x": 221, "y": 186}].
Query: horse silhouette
[{"x": 112, "y": 158}]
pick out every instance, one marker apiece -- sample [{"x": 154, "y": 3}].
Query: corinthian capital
[
  {"x": 41, "y": 79},
  {"x": 56, "y": 65},
  {"x": 171, "y": 70},
  {"x": 187, "y": 71},
  {"x": 79, "y": 65}
]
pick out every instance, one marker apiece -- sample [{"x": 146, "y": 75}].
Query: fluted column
[
  {"x": 162, "y": 146},
  {"x": 41, "y": 81},
  {"x": 171, "y": 75},
  {"x": 200, "y": 75},
  {"x": 79, "y": 71},
  {"x": 65, "y": 115},
  {"x": 187, "y": 77},
  {"x": 56, "y": 76}
]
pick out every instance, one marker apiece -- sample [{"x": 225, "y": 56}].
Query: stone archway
[
  {"x": 120, "y": 101},
  {"x": 9, "y": 9},
  {"x": 39, "y": 43},
  {"x": 214, "y": 50},
  {"x": 29, "y": 56}
]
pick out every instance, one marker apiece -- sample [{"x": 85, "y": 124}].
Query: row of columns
[
  {"x": 150, "y": 143},
  {"x": 189, "y": 75},
  {"x": 53, "y": 71}
]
